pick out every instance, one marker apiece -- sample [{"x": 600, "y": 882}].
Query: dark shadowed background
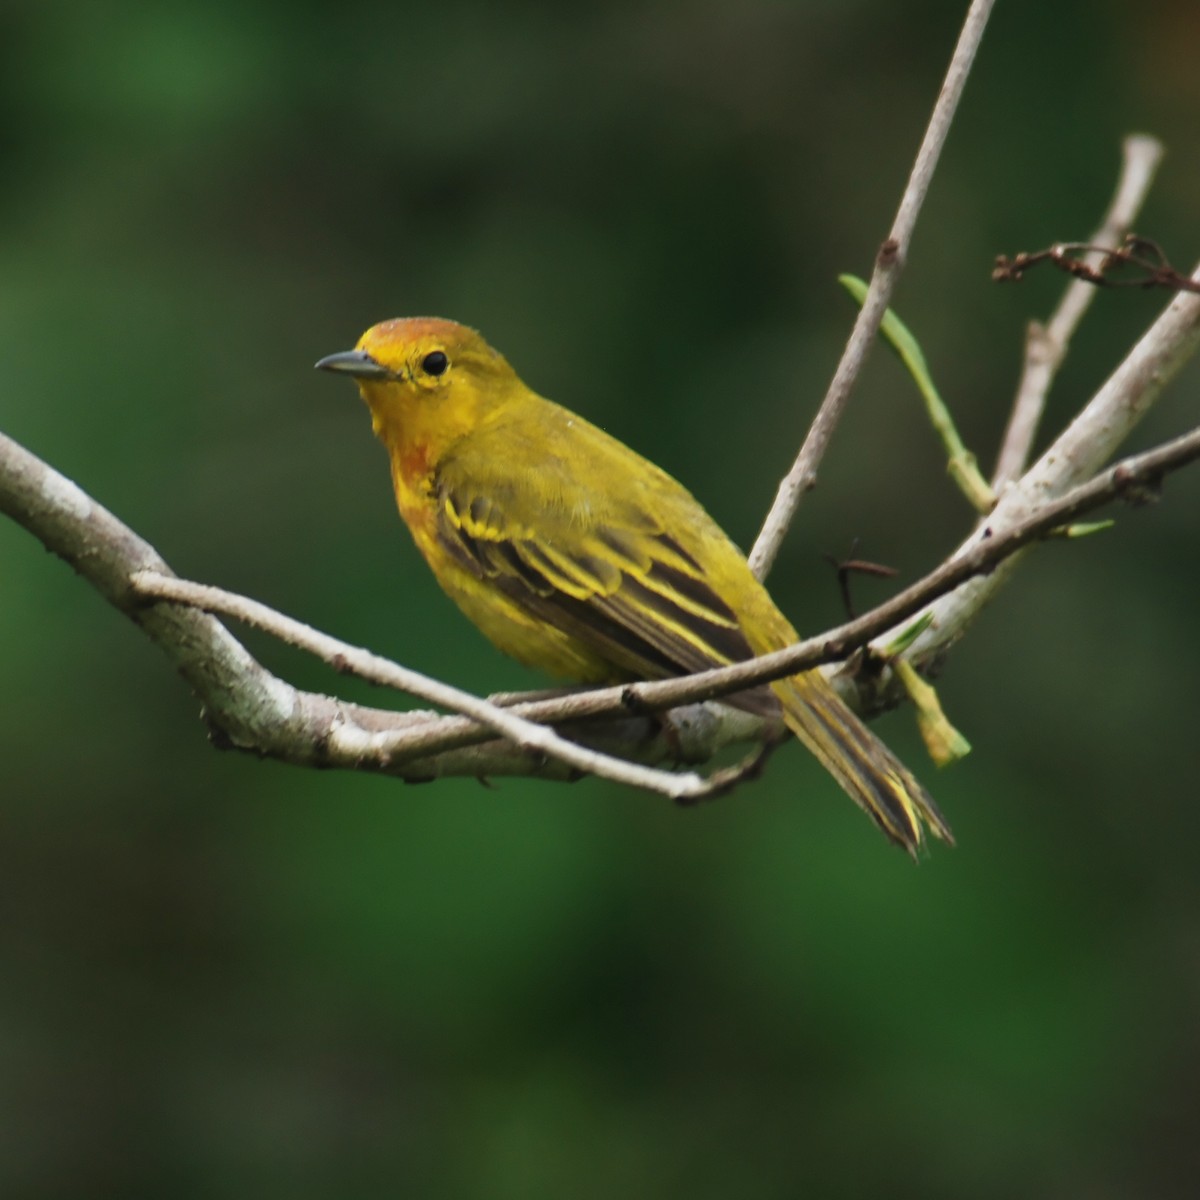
[{"x": 223, "y": 977}]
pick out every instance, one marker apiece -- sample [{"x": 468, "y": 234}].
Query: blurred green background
[{"x": 223, "y": 977}]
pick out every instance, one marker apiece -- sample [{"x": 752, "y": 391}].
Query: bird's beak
[{"x": 354, "y": 362}]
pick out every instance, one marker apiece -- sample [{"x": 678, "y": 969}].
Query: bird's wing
[{"x": 609, "y": 573}]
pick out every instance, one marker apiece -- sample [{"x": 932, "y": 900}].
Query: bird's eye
[{"x": 434, "y": 363}]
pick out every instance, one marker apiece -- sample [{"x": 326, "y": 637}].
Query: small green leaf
[
  {"x": 1085, "y": 528},
  {"x": 962, "y": 465},
  {"x": 899, "y": 337},
  {"x": 906, "y": 637},
  {"x": 944, "y": 743}
]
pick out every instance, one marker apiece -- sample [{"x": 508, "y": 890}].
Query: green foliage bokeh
[{"x": 222, "y": 977}]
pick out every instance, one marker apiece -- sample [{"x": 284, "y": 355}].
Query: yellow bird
[{"x": 579, "y": 557}]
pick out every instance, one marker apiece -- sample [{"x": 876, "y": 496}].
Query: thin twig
[
  {"x": 1046, "y": 345},
  {"x": 1150, "y": 267},
  {"x": 889, "y": 263},
  {"x": 343, "y": 656},
  {"x": 846, "y": 567}
]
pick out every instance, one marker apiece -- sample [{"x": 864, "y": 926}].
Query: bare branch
[
  {"x": 889, "y": 263},
  {"x": 1046, "y": 345},
  {"x": 525, "y": 734}
]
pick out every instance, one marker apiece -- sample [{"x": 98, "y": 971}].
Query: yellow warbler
[{"x": 576, "y": 555}]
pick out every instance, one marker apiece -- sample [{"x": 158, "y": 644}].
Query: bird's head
[{"x": 426, "y": 381}]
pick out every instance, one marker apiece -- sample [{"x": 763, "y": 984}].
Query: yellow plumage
[{"x": 577, "y": 556}]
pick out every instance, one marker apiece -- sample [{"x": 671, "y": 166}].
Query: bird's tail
[{"x": 872, "y": 776}]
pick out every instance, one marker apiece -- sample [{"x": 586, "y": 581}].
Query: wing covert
[{"x": 623, "y": 587}]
